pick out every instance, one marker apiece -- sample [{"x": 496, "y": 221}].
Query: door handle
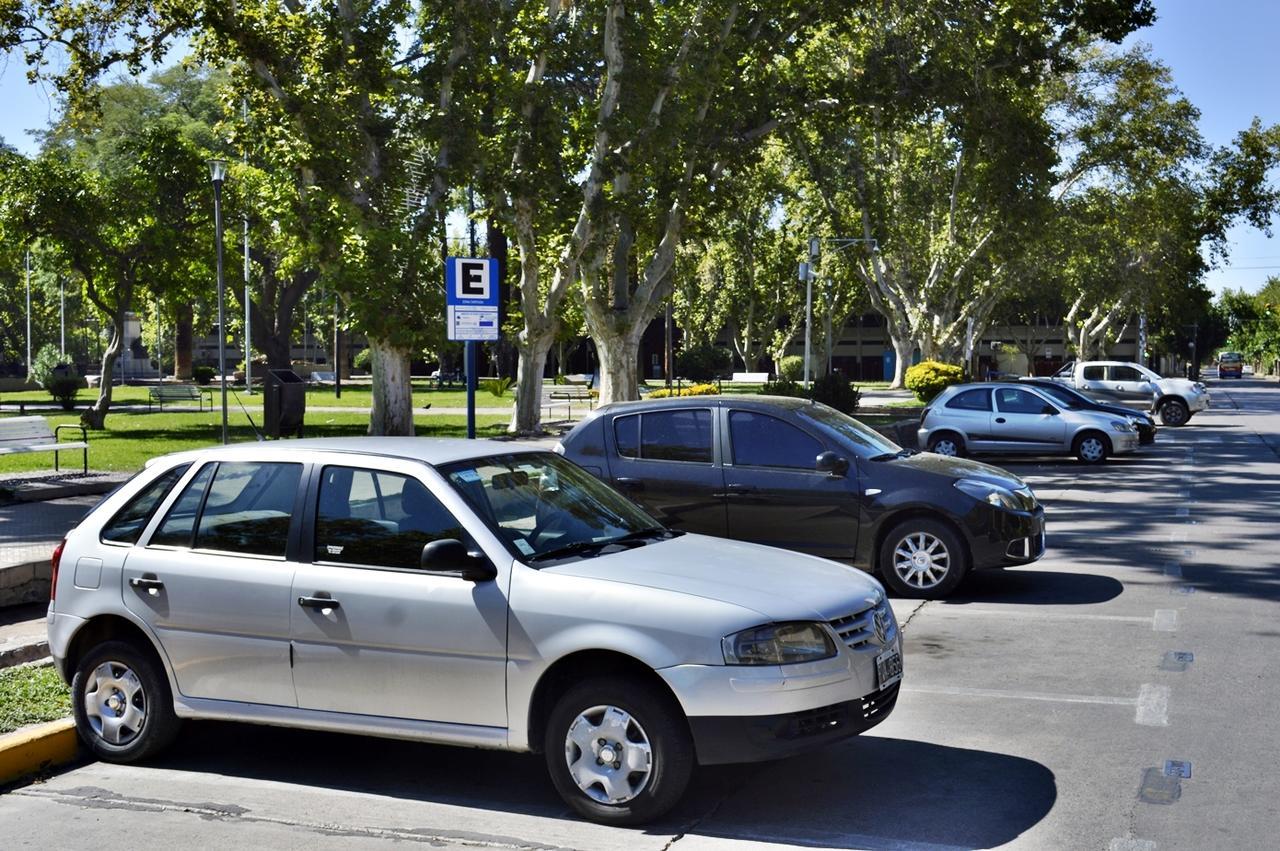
[
  {"x": 630, "y": 484},
  {"x": 999, "y": 419},
  {"x": 147, "y": 582},
  {"x": 324, "y": 604},
  {"x": 741, "y": 490}
]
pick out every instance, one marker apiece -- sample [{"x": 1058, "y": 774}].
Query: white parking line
[
  {"x": 1041, "y": 616},
  {"x": 1153, "y": 706}
]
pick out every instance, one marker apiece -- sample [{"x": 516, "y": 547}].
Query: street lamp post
[
  {"x": 218, "y": 173},
  {"x": 809, "y": 271}
]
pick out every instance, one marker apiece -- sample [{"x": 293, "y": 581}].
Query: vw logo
[{"x": 881, "y": 625}]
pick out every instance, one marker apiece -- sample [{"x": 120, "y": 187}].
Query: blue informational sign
[{"x": 471, "y": 298}]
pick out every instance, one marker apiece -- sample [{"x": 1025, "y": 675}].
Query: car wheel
[
  {"x": 121, "y": 702},
  {"x": 1092, "y": 447},
  {"x": 922, "y": 558},
  {"x": 618, "y": 752},
  {"x": 1174, "y": 413},
  {"x": 947, "y": 443}
]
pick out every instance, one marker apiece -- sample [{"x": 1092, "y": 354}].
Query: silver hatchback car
[
  {"x": 461, "y": 592},
  {"x": 1003, "y": 418}
]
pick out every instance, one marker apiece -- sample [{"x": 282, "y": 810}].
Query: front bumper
[
  {"x": 1123, "y": 442},
  {"x": 1012, "y": 538},
  {"x": 1146, "y": 434},
  {"x": 721, "y": 739}
]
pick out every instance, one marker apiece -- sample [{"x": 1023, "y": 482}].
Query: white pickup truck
[{"x": 1174, "y": 399}]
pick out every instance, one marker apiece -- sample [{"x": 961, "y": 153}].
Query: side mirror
[
  {"x": 1049, "y": 410},
  {"x": 831, "y": 464},
  {"x": 449, "y": 555}
]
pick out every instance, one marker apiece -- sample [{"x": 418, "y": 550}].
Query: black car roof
[{"x": 739, "y": 401}]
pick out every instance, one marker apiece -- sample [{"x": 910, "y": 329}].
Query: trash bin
[{"x": 284, "y": 402}]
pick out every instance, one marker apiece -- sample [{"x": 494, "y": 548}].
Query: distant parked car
[
  {"x": 1073, "y": 399},
  {"x": 1175, "y": 400},
  {"x": 796, "y": 474},
  {"x": 1003, "y": 418},
  {"x": 1230, "y": 365}
]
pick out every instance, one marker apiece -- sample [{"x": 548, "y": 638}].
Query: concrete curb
[
  {"x": 38, "y": 748},
  {"x": 20, "y": 653}
]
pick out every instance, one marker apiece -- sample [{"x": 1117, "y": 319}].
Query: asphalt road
[{"x": 1039, "y": 709}]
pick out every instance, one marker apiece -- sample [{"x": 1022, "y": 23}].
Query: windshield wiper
[
  {"x": 648, "y": 532},
  {"x": 585, "y": 548},
  {"x": 889, "y": 456}
]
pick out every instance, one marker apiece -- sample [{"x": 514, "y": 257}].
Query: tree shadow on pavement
[{"x": 902, "y": 791}]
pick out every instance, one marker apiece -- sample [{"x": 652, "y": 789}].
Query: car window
[
  {"x": 1062, "y": 396},
  {"x": 626, "y": 434},
  {"x": 978, "y": 399},
  {"x": 538, "y": 503},
  {"x": 126, "y": 527},
  {"x": 865, "y": 441},
  {"x": 180, "y": 522},
  {"x": 376, "y": 518},
  {"x": 683, "y": 435},
  {"x": 760, "y": 440},
  {"x": 1094, "y": 373},
  {"x": 1125, "y": 373},
  {"x": 248, "y": 508},
  {"x": 1010, "y": 400}
]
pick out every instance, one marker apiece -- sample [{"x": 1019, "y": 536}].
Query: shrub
[
  {"x": 791, "y": 368},
  {"x": 929, "y": 378},
  {"x": 703, "y": 363},
  {"x": 56, "y": 376},
  {"x": 361, "y": 361},
  {"x": 836, "y": 391},
  {"x": 784, "y": 387},
  {"x": 691, "y": 390},
  {"x": 203, "y": 374},
  {"x": 497, "y": 386}
]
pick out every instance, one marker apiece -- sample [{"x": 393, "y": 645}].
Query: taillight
[
  {"x": 923, "y": 415},
  {"x": 53, "y": 572}
]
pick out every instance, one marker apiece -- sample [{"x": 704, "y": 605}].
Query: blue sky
[{"x": 1222, "y": 53}]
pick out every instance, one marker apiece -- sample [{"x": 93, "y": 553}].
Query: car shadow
[
  {"x": 905, "y": 791},
  {"x": 1035, "y": 587}
]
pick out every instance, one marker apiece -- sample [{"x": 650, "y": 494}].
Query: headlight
[
  {"x": 779, "y": 644},
  {"x": 1117, "y": 425},
  {"x": 989, "y": 493}
]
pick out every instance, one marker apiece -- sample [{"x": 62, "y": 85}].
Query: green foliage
[
  {"x": 363, "y": 359},
  {"x": 203, "y": 374},
  {"x": 929, "y": 378},
  {"x": 703, "y": 362},
  {"x": 785, "y": 386},
  {"x": 691, "y": 390},
  {"x": 836, "y": 391},
  {"x": 50, "y": 371},
  {"x": 791, "y": 368},
  {"x": 32, "y": 695},
  {"x": 45, "y": 364},
  {"x": 498, "y": 387}
]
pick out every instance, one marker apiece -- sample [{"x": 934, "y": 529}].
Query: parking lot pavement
[{"x": 1040, "y": 707}]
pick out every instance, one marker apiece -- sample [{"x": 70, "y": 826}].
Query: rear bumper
[{"x": 720, "y": 739}]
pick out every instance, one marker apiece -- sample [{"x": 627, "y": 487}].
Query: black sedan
[
  {"x": 1074, "y": 400},
  {"x": 796, "y": 474}
]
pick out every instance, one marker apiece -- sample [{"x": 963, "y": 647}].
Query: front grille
[
  {"x": 858, "y": 629},
  {"x": 880, "y": 702}
]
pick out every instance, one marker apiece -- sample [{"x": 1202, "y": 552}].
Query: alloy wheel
[
  {"x": 115, "y": 703},
  {"x": 608, "y": 754},
  {"x": 921, "y": 560},
  {"x": 946, "y": 446}
]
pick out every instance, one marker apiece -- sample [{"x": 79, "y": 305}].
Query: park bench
[
  {"x": 749, "y": 378},
  {"x": 33, "y": 434},
  {"x": 324, "y": 377},
  {"x": 567, "y": 394},
  {"x": 178, "y": 393}
]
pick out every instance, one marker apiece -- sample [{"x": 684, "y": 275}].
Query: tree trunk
[
  {"x": 526, "y": 414},
  {"x": 392, "y": 412},
  {"x": 183, "y": 342},
  {"x": 619, "y": 369},
  {"x": 902, "y": 350},
  {"x": 96, "y": 416}
]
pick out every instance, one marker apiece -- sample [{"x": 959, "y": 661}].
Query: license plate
[{"x": 888, "y": 668}]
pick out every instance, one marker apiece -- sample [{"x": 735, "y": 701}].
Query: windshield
[
  {"x": 544, "y": 507},
  {"x": 867, "y": 442},
  {"x": 1065, "y": 397},
  {"x": 1230, "y": 357}
]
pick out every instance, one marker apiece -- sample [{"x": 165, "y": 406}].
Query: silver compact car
[
  {"x": 1005, "y": 419},
  {"x": 460, "y": 592}
]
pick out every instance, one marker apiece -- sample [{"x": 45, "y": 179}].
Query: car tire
[
  {"x": 1091, "y": 447},
  {"x": 922, "y": 558},
  {"x": 947, "y": 443},
  {"x": 121, "y": 702},
  {"x": 1174, "y": 413},
  {"x": 643, "y": 730}
]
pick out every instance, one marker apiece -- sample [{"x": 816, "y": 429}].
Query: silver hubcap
[
  {"x": 946, "y": 447},
  {"x": 115, "y": 703},
  {"x": 1091, "y": 449},
  {"x": 608, "y": 755},
  {"x": 921, "y": 560}
]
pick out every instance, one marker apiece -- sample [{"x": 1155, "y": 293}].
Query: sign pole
[{"x": 469, "y": 364}]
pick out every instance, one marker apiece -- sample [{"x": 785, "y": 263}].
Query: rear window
[
  {"x": 683, "y": 435},
  {"x": 1230, "y": 357},
  {"x": 971, "y": 400},
  {"x": 126, "y": 527}
]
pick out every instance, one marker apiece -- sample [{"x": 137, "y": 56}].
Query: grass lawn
[
  {"x": 131, "y": 438},
  {"x": 31, "y": 695}
]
